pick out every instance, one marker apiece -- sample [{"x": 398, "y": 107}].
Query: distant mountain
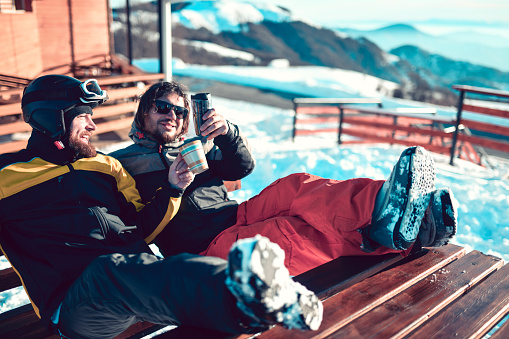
[
  {"x": 247, "y": 33},
  {"x": 440, "y": 71},
  {"x": 482, "y": 49}
]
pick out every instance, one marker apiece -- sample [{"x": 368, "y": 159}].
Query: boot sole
[
  {"x": 257, "y": 277},
  {"x": 412, "y": 181}
]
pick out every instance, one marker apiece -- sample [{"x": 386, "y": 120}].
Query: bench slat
[
  {"x": 481, "y": 90},
  {"x": 357, "y": 300},
  {"x": 502, "y": 332},
  {"x": 481, "y": 308},
  {"x": 113, "y": 80},
  {"x": 22, "y": 323},
  {"x": 334, "y": 110},
  {"x": 12, "y": 146},
  {"x": 486, "y": 127},
  {"x": 325, "y": 280},
  {"x": 399, "y": 127},
  {"x": 10, "y": 109},
  {"x": 488, "y": 143},
  {"x": 8, "y": 279},
  {"x": 391, "y": 140},
  {"x": 487, "y": 111},
  {"x": 111, "y": 110},
  {"x": 409, "y": 309}
]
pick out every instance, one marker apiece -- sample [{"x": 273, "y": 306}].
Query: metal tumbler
[{"x": 201, "y": 103}]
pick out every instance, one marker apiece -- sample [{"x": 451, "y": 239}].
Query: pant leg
[
  {"x": 325, "y": 204},
  {"x": 118, "y": 290},
  {"x": 313, "y": 219}
]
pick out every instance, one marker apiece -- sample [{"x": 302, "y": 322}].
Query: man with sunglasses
[
  {"x": 75, "y": 229},
  {"x": 160, "y": 123},
  {"x": 314, "y": 220}
]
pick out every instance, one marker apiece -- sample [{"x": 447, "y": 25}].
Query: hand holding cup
[{"x": 179, "y": 174}]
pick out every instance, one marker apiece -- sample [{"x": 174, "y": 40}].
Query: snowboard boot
[
  {"x": 401, "y": 202},
  {"x": 264, "y": 290},
  {"x": 439, "y": 224}
]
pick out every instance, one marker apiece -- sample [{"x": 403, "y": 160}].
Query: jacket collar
[
  {"x": 143, "y": 139},
  {"x": 45, "y": 148}
]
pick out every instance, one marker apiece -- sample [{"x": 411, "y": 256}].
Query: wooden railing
[
  {"x": 489, "y": 102},
  {"x": 310, "y": 112},
  {"x": 454, "y": 136},
  {"x": 116, "y": 113}
]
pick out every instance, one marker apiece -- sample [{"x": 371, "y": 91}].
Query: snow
[
  {"x": 218, "y": 49},
  {"x": 217, "y": 16}
]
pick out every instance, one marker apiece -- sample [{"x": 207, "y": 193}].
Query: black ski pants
[{"x": 118, "y": 290}]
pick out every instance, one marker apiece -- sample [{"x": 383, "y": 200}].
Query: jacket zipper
[{"x": 161, "y": 155}]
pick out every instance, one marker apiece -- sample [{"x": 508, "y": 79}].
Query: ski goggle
[
  {"x": 92, "y": 92},
  {"x": 163, "y": 107}
]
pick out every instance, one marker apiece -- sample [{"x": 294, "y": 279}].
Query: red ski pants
[{"x": 314, "y": 220}]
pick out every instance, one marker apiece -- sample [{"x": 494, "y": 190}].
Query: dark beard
[
  {"x": 81, "y": 150},
  {"x": 163, "y": 139}
]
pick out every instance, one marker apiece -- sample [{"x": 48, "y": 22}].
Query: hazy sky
[
  {"x": 390, "y": 10},
  {"x": 398, "y": 10},
  {"x": 378, "y": 13}
]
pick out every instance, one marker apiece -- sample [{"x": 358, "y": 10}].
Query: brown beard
[
  {"x": 162, "y": 138},
  {"x": 80, "y": 149}
]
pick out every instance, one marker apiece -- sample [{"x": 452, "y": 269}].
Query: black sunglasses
[{"x": 164, "y": 107}]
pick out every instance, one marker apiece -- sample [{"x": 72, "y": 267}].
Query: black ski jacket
[
  {"x": 58, "y": 214},
  {"x": 205, "y": 210}
]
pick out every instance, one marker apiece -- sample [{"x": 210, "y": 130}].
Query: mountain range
[
  {"x": 254, "y": 34},
  {"x": 477, "y": 48}
]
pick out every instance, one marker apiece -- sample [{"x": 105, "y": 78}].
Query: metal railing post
[
  {"x": 458, "y": 122},
  {"x": 340, "y": 127}
]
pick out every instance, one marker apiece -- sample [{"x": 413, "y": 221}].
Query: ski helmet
[{"x": 50, "y": 102}]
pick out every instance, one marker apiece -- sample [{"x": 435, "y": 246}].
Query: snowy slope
[{"x": 217, "y": 16}]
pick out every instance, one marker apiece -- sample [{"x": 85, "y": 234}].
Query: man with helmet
[{"x": 75, "y": 229}]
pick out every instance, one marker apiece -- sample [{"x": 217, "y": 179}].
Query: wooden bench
[
  {"x": 435, "y": 293},
  {"x": 117, "y": 113}
]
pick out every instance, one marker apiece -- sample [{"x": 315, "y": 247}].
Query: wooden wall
[
  {"x": 20, "y": 51},
  {"x": 40, "y": 41},
  {"x": 90, "y": 26}
]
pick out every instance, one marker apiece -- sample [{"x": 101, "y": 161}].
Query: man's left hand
[{"x": 214, "y": 124}]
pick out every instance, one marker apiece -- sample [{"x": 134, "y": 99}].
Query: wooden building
[{"x": 53, "y": 36}]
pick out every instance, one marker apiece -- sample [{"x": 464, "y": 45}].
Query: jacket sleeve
[
  {"x": 152, "y": 217},
  {"x": 231, "y": 157}
]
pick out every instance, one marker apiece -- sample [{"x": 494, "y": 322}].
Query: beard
[
  {"x": 81, "y": 149},
  {"x": 163, "y": 138}
]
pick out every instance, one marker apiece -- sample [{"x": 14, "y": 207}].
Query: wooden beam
[{"x": 481, "y": 90}]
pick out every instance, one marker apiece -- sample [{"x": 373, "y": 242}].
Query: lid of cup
[{"x": 200, "y": 138}]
